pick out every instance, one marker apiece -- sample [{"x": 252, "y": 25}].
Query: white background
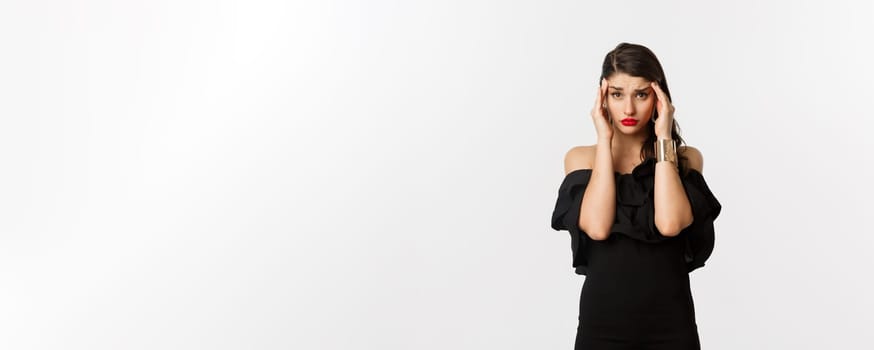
[{"x": 381, "y": 174}]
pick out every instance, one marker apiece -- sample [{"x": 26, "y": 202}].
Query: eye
[
  {"x": 616, "y": 94},
  {"x": 642, "y": 95}
]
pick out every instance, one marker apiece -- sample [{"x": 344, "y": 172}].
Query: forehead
[{"x": 625, "y": 80}]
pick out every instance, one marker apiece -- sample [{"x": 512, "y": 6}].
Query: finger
[
  {"x": 604, "y": 88},
  {"x": 603, "y": 92},
  {"x": 599, "y": 99},
  {"x": 659, "y": 93}
]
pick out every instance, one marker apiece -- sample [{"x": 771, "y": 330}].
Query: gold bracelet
[{"x": 665, "y": 149}]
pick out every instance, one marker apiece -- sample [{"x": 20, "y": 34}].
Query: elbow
[
  {"x": 671, "y": 228},
  {"x": 598, "y": 235},
  {"x": 595, "y": 233}
]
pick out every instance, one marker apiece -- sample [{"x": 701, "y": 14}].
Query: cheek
[
  {"x": 647, "y": 105},
  {"x": 613, "y": 104}
]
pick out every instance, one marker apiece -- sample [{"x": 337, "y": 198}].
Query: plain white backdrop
[{"x": 381, "y": 174}]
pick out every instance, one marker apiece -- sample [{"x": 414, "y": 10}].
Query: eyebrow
[{"x": 637, "y": 90}]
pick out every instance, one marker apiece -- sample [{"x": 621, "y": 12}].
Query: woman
[{"x": 639, "y": 213}]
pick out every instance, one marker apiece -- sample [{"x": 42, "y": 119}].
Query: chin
[{"x": 631, "y": 130}]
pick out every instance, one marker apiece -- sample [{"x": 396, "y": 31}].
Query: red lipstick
[{"x": 629, "y": 122}]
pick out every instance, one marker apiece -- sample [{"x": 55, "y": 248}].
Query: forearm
[
  {"x": 598, "y": 208},
  {"x": 673, "y": 212}
]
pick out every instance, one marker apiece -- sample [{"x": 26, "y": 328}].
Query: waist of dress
[
  {"x": 608, "y": 303},
  {"x": 620, "y": 253}
]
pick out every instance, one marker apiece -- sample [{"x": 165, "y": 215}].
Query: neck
[{"x": 627, "y": 145}]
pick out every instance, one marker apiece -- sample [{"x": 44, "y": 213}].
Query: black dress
[{"x": 636, "y": 294}]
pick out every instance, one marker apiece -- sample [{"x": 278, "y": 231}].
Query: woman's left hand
[{"x": 665, "y": 121}]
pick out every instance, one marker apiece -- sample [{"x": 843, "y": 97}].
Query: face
[{"x": 630, "y": 102}]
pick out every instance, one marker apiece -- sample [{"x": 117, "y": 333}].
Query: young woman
[{"x": 639, "y": 213}]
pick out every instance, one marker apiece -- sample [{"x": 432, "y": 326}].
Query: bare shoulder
[
  {"x": 579, "y": 157},
  {"x": 696, "y": 159}
]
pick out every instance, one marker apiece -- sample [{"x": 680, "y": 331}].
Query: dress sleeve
[
  {"x": 566, "y": 215},
  {"x": 699, "y": 235}
]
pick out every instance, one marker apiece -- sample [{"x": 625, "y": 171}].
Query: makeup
[{"x": 629, "y": 122}]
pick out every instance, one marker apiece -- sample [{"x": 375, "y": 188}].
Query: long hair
[{"x": 638, "y": 61}]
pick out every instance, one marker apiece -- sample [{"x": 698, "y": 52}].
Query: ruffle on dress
[{"x": 635, "y": 212}]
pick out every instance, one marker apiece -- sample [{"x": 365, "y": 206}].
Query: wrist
[{"x": 665, "y": 150}]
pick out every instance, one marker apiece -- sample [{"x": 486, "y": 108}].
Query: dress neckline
[{"x": 636, "y": 171}]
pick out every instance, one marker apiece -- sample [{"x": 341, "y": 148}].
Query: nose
[{"x": 629, "y": 106}]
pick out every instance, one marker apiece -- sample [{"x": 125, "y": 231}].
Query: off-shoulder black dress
[{"x": 636, "y": 294}]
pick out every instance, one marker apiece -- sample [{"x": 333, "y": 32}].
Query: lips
[{"x": 629, "y": 122}]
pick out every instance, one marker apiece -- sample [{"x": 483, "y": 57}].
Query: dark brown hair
[{"x": 638, "y": 61}]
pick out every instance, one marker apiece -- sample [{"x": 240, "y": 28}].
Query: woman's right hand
[{"x": 603, "y": 124}]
